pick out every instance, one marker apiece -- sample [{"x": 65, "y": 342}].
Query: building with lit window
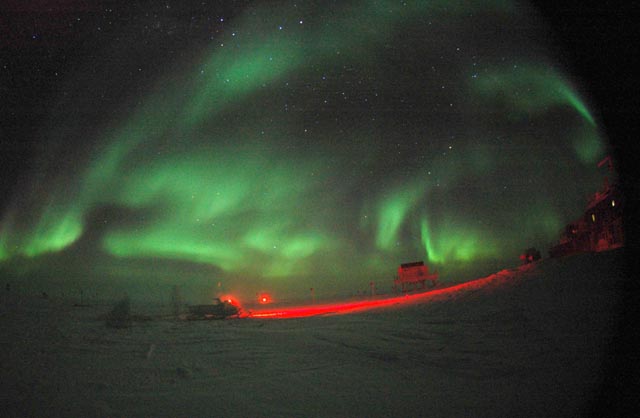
[{"x": 600, "y": 228}]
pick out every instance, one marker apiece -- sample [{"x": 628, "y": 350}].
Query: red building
[{"x": 413, "y": 276}]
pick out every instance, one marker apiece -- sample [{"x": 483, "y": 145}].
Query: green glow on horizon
[
  {"x": 54, "y": 236},
  {"x": 165, "y": 242},
  {"x": 210, "y": 169},
  {"x": 458, "y": 244},
  {"x": 219, "y": 209}
]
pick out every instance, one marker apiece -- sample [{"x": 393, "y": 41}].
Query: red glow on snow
[{"x": 357, "y": 306}]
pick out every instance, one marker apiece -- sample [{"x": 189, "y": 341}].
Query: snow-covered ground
[{"x": 529, "y": 342}]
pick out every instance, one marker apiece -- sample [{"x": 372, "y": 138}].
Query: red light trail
[{"x": 358, "y": 306}]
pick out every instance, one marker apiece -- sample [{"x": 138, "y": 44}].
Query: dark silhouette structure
[{"x": 600, "y": 228}]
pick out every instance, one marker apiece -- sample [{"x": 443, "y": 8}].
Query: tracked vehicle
[{"x": 219, "y": 309}]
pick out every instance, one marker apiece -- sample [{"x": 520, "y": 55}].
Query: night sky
[{"x": 247, "y": 146}]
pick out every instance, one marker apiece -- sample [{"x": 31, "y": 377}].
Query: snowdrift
[{"x": 528, "y": 342}]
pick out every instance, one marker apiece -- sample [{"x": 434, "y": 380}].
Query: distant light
[
  {"x": 593, "y": 217},
  {"x": 613, "y": 203},
  {"x": 230, "y": 300},
  {"x": 264, "y": 298}
]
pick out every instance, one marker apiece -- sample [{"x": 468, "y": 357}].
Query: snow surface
[{"x": 530, "y": 342}]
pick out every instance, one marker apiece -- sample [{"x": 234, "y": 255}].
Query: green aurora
[{"x": 315, "y": 146}]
